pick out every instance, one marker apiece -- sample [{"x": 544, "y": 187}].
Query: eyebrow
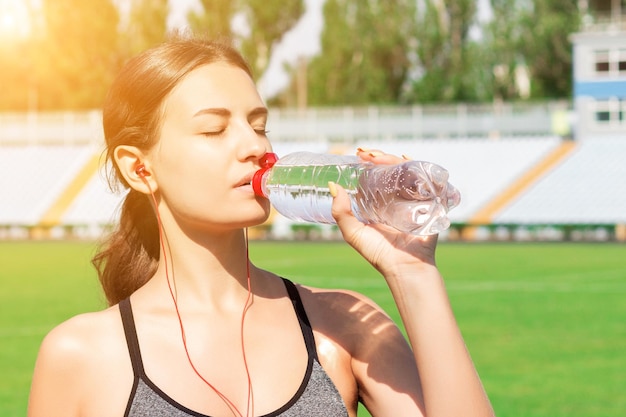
[
  {"x": 214, "y": 111},
  {"x": 218, "y": 111}
]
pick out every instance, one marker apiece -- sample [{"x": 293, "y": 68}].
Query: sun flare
[{"x": 14, "y": 18}]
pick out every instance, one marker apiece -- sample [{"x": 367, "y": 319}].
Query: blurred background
[{"x": 523, "y": 101}]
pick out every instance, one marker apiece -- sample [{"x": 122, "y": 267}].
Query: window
[
  {"x": 603, "y": 116},
  {"x": 609, "y": 113},
  {"x": 602, "y": 62},
  {"x": 609, "y": 62},
  {"x": 621, "y": 62}
]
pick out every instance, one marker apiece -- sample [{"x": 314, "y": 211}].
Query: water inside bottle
[{"x": 301, "y": 192}]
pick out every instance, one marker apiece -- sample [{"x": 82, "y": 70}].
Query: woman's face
[{"x": 213, "y": 135}]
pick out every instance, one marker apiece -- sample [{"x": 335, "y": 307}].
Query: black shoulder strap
[
  {"x": 131, "y": 336},
  {"x": 305, "y": 325}
]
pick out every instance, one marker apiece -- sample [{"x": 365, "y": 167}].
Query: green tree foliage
[
  {"x": 76, "y": 53},
  {"x": 268, "y": 22},
  {"x": 65, "y": 62},
  {"x": 17, "y": 76},
  {"x": 501, "y": 44},
  {"x": 264, "y": 24},
  {"x": 373, "y": 51},
  {"x": 147, "y": 26},
  {"x": 546, "y": 46},
  {"x": 365, "y": 55},
  {"x": 533, "y": 34},
  {"x": 215, "y": 19},
  {"x": 446, "y": 54}
]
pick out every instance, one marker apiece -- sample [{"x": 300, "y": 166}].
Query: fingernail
[
  {"x": 406, "y": 158},
  {"x": 332, "y": 189},
  {"x": 362, "y": 149}
]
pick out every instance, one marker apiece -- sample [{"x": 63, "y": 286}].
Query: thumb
[{"x": 342, "y": 210}]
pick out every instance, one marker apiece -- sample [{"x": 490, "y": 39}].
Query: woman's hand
[{"x": 387, "y": 249}]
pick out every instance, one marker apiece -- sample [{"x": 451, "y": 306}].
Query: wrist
[
  {"x": 415, "y": 276},
  {"x": 404, "y": 270}
]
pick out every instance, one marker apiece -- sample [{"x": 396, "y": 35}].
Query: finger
[
  {"x": 378, "y": 157},
  {"x": 342, "y": 211}
]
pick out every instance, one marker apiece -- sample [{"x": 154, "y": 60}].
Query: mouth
[{"x": 246, "y": 181}]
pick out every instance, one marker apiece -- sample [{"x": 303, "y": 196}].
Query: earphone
[{"x": 141, "y": 170}]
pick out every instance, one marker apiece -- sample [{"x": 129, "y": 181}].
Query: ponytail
[{"x": 130, "y": 255}]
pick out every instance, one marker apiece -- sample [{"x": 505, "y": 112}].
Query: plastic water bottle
[{"x": 413, "y": 196}]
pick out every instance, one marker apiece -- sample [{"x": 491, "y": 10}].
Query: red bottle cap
[{"x": 267, "y": 161}]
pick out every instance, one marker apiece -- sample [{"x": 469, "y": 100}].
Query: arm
[{"x": 450, "y": 385}]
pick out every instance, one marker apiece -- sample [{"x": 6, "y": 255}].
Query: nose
[{"x": 254, "y": 145}]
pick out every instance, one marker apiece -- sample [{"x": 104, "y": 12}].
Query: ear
[{"x": 135, "y": 168}]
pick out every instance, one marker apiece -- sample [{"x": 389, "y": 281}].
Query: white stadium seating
[
  {"x": 32, "y": 177},
  {"x": 587, "y": 187}
]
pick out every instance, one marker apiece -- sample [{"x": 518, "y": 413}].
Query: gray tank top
[{"x": 317, "y": 396}]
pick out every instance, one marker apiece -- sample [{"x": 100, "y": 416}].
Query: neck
[{"x": 211, "y": 272}]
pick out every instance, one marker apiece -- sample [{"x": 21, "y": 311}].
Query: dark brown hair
[{"x": 132, "y": 116}]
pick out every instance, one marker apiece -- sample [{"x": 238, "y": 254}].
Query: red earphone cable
[
  {"x": 232, "y": 407},
  {"x": 247, "y": 305}
]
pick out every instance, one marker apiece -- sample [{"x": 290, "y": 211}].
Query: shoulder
[
  {"x": 337, "y": 299},
  {"x": 380, "y": 358},
  {"x": 83, "y": 336},
  {"x": 345, "y": 315},
  {"x": 80, "y": 352}
]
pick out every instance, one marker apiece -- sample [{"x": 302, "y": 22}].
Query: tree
[
  {"x": 147, "y": 25},
  {"x": 264, "y": 24},
  {"x": 533, "y": 34},
  {"x": 74, "y": 51},
  {"x": 16, "y": 76},
  {"x": 215, "y": 19},
  {"x": 545, "y": 44},
  {"x": 365, "y": 54},
  {"x": 503, "y": 36},
  {"x": 445, "y": 52},
  {"x": 268, "y": 22},
  {"x": 77, "y": 53}
]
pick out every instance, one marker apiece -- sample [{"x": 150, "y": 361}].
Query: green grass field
[{"x": 545, "y": 323}]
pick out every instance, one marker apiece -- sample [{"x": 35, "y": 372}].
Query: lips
[{"x": 246, "y": 180}]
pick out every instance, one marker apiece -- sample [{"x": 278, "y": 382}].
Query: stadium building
[{"x": 599, "y": 51}]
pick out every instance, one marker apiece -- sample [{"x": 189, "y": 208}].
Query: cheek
[
  {"x": 193, "y": 185},
  {"x": 196, "y": 201}
]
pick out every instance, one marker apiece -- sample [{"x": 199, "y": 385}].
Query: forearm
[{"x": 450, "y": 383}]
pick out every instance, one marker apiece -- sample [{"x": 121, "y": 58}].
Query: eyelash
[
  {"x": 213, "y": 134},
  {"x": 263, "y": 132}
]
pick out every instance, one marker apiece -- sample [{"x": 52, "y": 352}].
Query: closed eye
[{"x": 213, "y": 133}]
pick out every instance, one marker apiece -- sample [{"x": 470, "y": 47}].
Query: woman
[{"x": 194, "y": 329}]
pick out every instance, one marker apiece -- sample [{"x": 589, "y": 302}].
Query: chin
[
  {"x": 262, "y": 219},
  {"x": 259, "y": 217}
]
